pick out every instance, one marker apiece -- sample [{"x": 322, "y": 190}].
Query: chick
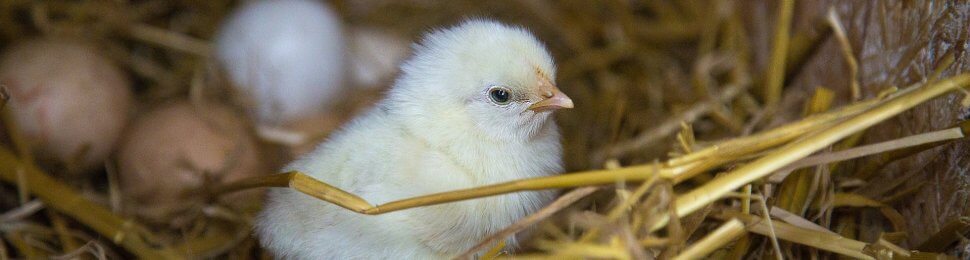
[{"x": 472, "y": 107}]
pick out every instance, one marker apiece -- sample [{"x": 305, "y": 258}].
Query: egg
[
  {"x": 70, "y": 102},
  {"x": 285, "y": 56},
  {"x": 173, "y": 152}
]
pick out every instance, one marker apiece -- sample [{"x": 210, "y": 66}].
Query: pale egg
[
  {"x": 286, "y": 57},
  {"x": 69, "y": 101}
]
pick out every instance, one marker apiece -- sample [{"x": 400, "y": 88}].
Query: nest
[{"x": 726, "y": 129}]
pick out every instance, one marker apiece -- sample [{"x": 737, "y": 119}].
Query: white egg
[{"x": 286, "y": 56}]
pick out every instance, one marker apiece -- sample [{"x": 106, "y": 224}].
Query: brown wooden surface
[{"x": 897, "y": 43}]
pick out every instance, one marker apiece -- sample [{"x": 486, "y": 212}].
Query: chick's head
[{"x": 496, "y": 79}]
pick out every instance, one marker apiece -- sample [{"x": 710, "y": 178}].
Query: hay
[{"x": 684, "y": 108}]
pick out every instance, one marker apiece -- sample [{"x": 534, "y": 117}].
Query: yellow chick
[{"x": 472, "y": 107}]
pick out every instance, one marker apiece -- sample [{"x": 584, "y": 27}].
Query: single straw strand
[{"x": 727, "y": 232}]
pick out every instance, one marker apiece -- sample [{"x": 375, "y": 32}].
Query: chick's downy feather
[{"x": 444, "y": 125}]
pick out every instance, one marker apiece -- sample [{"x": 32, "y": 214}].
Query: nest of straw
[{"x": 725, "y": 129}]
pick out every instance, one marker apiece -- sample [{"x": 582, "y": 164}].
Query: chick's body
[{"x": 472, "y": 107}]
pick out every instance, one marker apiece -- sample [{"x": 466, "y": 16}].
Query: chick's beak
[{"x": 552, "y": 98}]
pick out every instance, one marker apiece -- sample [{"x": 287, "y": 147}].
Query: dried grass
[{"x": 669, "y": 103}]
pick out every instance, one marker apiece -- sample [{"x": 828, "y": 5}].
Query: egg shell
[
  {"x": 318, "y": 127},
  {"x": 67, "y": 100},
  {"x": 375, "y": 55},
  {"x": 284, "y": 56},
  {"x": 172, "y": 151}
]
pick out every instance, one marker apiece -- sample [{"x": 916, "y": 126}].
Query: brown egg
[
  {"x": 173, "y": 152},
  {"x": 70, "y": 103}
]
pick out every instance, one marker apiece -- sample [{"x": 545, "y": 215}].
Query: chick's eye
[{"x": 500, "y": 96}]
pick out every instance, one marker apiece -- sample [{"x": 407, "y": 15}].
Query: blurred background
[{"x": 138, "y": 106}]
